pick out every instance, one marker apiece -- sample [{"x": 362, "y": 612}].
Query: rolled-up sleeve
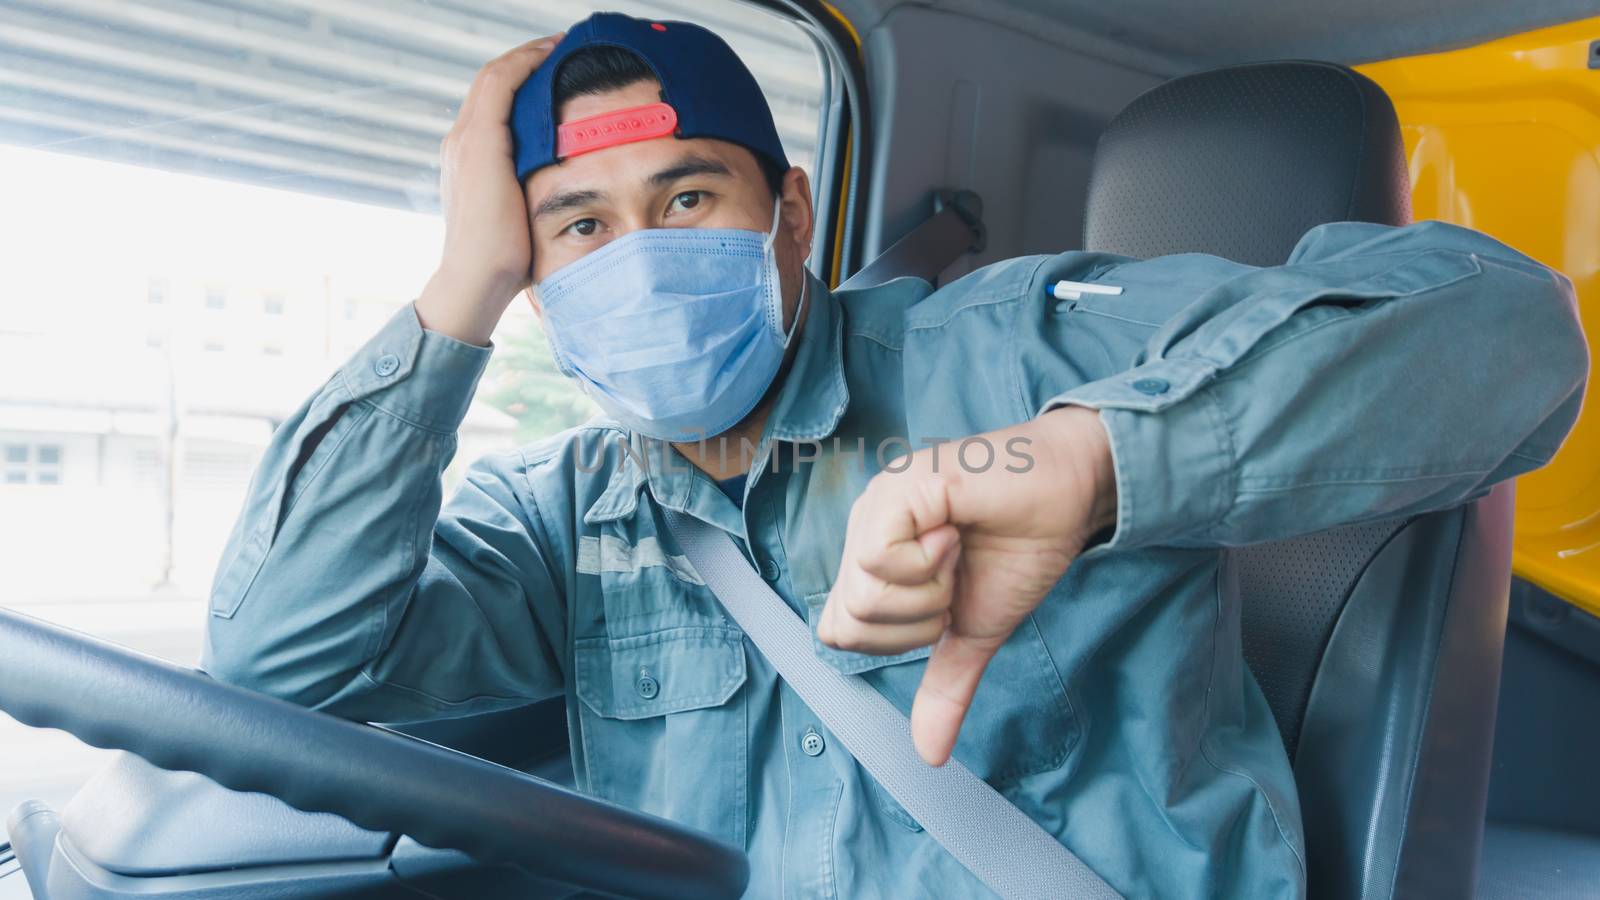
[
  {"x": 1379, "y": 372},
  {"x": 346, "y": 587}
]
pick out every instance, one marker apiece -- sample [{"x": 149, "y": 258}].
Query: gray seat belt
[
  {"x": 954, "y": 230},
  {"x": 994, "y": 839}
]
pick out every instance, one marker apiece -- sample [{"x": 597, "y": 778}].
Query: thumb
[{"x": 948, "y": 683}]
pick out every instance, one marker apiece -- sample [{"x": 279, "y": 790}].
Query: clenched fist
[{"x": 938, "y": 554}]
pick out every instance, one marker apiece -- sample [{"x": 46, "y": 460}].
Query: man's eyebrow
[
  {"x": 687, "y": 166},
  {"x": 562, "y": 201}
]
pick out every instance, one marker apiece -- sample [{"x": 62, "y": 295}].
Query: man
[{"x": 1039, "y": 593}]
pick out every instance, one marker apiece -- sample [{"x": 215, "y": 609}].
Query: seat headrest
[{"x": 1240, "y": 162}]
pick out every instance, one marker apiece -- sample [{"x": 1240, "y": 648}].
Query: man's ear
[
  {"x": 533, "y": 301},
  {"x": 797, "y": 213}
]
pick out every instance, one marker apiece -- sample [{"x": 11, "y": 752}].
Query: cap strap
[{"x": 622, "y": 126}]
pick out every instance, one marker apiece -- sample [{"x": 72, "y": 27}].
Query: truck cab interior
[{"x": 1436, "y": 680}]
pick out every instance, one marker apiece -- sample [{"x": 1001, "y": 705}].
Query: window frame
[{"x": 844, "y": 142}]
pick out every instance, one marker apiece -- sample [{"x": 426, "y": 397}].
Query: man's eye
[
  {"x": 685, "y": 201},
  {"x": 584, "y": 227}
]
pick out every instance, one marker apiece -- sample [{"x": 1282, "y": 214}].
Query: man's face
[{"x": 578, "y": 205}]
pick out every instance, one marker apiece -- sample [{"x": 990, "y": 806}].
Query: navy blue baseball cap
[{"x": 706, "y": 93}]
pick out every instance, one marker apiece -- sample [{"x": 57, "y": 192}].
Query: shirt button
[
  {"x": 1151, "y": 386},
  {"x": 386, "y": 365},
  {"x": 648, "y": 687},
  {"x": 769, "y": 570},
  {"x": 811, "y": 743}
]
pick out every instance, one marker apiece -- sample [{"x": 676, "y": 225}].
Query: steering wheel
[{"x": 180, "y": 719}]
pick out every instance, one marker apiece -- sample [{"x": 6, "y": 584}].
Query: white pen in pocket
[{"x": 1073, "y": 290}]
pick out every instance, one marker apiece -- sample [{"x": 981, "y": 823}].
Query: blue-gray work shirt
[{"x": 1381, "y": 371}]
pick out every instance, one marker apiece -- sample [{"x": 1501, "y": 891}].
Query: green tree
[{"x": 522, "y": 381}]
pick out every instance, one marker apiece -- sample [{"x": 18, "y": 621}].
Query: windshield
[{"x": 205, "y": 213}]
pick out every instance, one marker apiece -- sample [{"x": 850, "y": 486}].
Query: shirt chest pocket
[{"x": 663, "y": 724}]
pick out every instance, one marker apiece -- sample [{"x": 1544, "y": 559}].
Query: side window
[{"x": 192, "y": 244}]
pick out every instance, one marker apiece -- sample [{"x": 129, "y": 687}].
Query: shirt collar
[
  {"x": 808, "y": 407},
  {"x": 621, "y": 496},
  {"x": 813, "y": 396}
]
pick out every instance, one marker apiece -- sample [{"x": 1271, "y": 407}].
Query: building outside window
[
  {"x": 30, "y": 464},
  {"x": 16, "y": 462}
]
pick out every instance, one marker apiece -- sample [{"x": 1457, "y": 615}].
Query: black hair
[
  {"x": 597, "y": 70},
  {"x": 602, "y": 68}
]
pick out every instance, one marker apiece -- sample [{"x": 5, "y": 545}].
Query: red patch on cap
[
  {"x": 658, "y": 26},
  {"x": 639, "y": 123}
]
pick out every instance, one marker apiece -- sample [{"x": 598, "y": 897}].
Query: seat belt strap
[
  {"x": 996, "y": 841},
  {"x": 954, "y": 230}
]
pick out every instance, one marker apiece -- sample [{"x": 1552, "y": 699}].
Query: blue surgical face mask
[{"x": 675, "y": 332}]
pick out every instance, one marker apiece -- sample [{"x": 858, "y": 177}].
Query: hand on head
[{"x": 488, "y": 255}]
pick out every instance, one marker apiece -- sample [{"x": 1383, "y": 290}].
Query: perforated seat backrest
[
  {"x": 1293, "y": 594},
  {"x": 1239, "y": 163},
  {"x": 1377, "y": 646}
]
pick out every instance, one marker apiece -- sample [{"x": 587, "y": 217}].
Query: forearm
[
  {"x": 1395, "y": 377},
  {"x": 1078, "y": 438},
  {"x": 333, "y": 531},
  {"x": 464, "y": 305}
]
